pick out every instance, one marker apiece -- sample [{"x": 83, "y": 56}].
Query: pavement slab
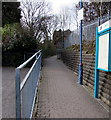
[{"x": 60, "y": 96}]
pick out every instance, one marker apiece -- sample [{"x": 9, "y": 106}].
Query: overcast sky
[{"x": 58, "y": 4}]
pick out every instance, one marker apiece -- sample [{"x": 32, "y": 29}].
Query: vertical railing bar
[
  {"x": 27, "y": 76},
  {"x": 18, "y": 96},
  {"x": 35, "y": 70},
  {"x": 35, "y": 92}
]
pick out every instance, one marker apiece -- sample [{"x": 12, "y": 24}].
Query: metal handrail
[
  {"x": 26, "y": 62},
  {"x": 29, "y": 72},
  {"x": 20, "y": 85}
]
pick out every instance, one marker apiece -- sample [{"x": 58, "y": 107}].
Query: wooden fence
[{"x": 71, "y": 59}]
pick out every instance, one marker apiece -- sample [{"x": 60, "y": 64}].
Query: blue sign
[{"x": 103, "y": 52}]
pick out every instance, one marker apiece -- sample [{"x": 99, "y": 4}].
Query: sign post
[
  {"x": 103, "y": 52},
  {"x": 80, "y": 18}
]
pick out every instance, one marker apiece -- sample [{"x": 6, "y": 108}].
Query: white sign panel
[
  {"x": 80, "y": 14},
  {"x": 103, "y": 51},
  {"x": 104, "y": 26}
]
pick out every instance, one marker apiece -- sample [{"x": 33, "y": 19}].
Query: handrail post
[
  {"x": 20, "y": 84},
  {"x": 18, "y": 96}
]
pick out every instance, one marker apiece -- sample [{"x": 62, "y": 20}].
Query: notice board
[{"x": 103, "y": 51}]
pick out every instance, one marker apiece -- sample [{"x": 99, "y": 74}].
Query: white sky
[{"x": 58, "y": 4}]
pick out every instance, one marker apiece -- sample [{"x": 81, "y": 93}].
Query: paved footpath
[{"x": 60, "y": 96}]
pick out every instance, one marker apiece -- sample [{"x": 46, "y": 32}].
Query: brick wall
[{"x": 71, "y": 59}]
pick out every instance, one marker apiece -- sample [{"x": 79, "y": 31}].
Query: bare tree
[
  {"x": 35, "y": 16},
  {"x": 63, "y": 18},
  {"x": 68, "y": 18},
  {"x": 53, "y": 24},
  {"x": 74, "y": 16}
]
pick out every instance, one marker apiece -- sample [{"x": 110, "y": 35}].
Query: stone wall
[{"x": 71, "y": 59}]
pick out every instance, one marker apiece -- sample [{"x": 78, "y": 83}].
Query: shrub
[
  {"x": 16, "y": 41},
  {"x": 48, "y": 49}
]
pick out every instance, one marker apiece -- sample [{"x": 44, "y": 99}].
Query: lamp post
[{"x": 81, "y": 64}]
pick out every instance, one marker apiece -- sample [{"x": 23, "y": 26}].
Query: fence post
[{"x": 18, "y": 97}]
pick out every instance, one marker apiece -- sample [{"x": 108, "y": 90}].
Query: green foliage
[
  {"x": 8, "y": 32},
  {"x": 25, "y": 43},
  {"x": 15, "y": 38},
  {"x": 88, "y": 47},
  {"x": 48, "y": 49},
  {"x": 16, "y": 41}
]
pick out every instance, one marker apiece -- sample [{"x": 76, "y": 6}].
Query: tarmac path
[{"x": 60, "y": 96}]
